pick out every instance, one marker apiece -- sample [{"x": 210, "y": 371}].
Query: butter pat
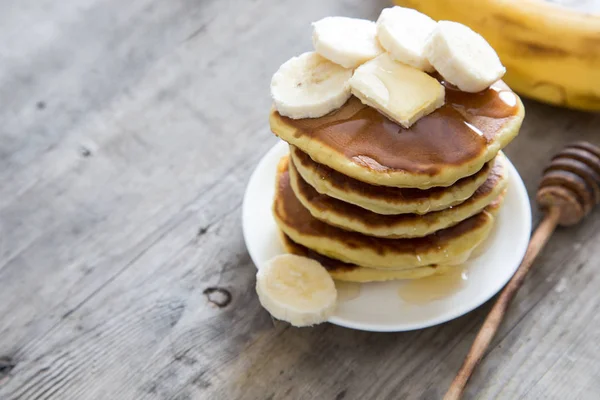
[{"x": 400, "y": 92}]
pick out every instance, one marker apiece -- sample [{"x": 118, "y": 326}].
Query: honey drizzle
[{"x": 434, "y": 287}]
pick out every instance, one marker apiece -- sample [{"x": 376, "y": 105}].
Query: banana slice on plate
[
  {"x": 309, "y": 86},
  {"x": 463, "y": 57},
  {"x": 403, "y": 33},
  {"x": 296, "y": 289},
  {"x": 348, "y": 42}
]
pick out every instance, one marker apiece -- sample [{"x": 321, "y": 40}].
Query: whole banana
[{"x": 551, "y": 53}]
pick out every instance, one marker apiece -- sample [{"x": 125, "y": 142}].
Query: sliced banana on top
[
  {"x": 403, "y": 33},
  {"x": 463, "y": 57},
  {"x": 296, "y": 289},
  {"x": 348, "y": 42},
  {"x": 309, "y": 86}
]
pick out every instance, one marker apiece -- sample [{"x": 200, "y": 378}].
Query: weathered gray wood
[{"x": 129, "y": 130}]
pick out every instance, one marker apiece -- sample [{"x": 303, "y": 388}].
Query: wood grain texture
[{"x": 129, "y": 130}]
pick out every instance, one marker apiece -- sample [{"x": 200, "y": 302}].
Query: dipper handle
[{"x": 568, "y": 191}]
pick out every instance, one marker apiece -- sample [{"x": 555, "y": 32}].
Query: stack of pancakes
[{"x": 374, "y": 201}]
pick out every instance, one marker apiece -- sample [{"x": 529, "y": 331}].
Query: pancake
[
  {"x": 342, "y": 271},
  {"x": 444, "y": 247},
  {"x": 451, "y": 143},
  {"x": 350, "y": 217},
  {"x": 384, "y": 199}
]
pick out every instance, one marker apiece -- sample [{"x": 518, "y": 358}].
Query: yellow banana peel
[{"x": 551, "y": 53}]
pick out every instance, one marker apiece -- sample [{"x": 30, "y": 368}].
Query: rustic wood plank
[{"x": 129, "y": 132}]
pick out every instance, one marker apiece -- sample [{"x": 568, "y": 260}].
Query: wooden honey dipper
[{"x": 569, "y": 189}]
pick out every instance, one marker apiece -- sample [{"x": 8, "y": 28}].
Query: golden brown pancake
[
  {"x": 451, "y": 143},
  {"x": 350, "y": 217},
  {"x": 342, "y": 271},
  {"x": 443, "y": 247},
  {"x": 385, "y": 199}
]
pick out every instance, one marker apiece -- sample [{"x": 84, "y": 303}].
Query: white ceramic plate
[{"x": 379, "y": 307}]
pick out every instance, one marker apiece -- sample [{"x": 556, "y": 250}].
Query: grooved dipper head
[{"x": 572, "y": 182}]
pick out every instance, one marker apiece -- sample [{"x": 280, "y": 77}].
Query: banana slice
[
  {"x": 463, "y": 57},
  {"x": 399, "y": 91},
  {"x": 403, "y": 33},
  {"x": 309, "y": 86},
  {"x": 296, "y": 289},
  {"x": 348, "y": 42}
]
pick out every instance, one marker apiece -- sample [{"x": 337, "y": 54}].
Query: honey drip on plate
[
  {"x": 347, "y": 291},
  {"x": 434, "y": 287}
]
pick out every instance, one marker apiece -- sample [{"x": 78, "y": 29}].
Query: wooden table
[{"x": 128, "y": 132}]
